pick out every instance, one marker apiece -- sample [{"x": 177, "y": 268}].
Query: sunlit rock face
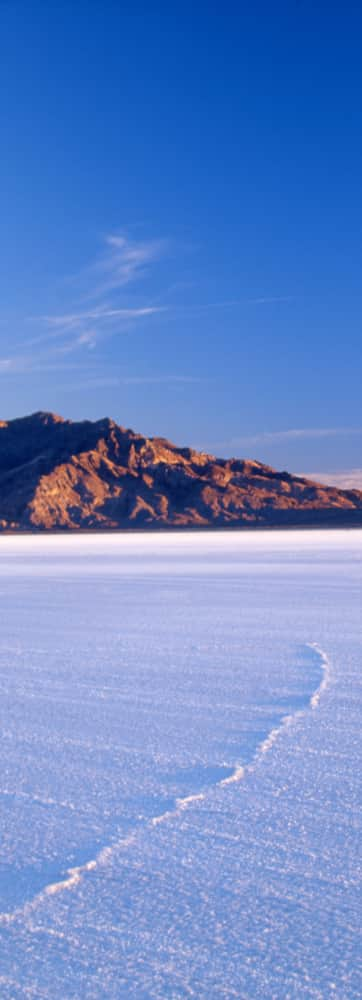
[{"x": 60, "y": 474}]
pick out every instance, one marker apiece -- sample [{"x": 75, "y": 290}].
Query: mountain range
[{"x": 60, "y": 474}]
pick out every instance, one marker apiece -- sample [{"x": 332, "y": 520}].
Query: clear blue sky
[{"x": 181, "y": 222}]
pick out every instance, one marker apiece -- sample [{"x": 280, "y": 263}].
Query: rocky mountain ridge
[{"x": 58, "y": 474}]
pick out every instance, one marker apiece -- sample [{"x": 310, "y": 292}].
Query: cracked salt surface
[{"x": 179, "y": 776}]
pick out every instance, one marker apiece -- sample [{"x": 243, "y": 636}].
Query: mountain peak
[
  {"x": 44, "y": 418},
  {"x": 62, "y": 474}
]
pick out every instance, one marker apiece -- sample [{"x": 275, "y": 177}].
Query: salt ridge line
[
  {"x": 263, "y": 748},
  {"x": 326, "y": 668},
  {"x": 75, "y": 875}
]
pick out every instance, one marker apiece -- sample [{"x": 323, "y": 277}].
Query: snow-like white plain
[{"x": 180, "y": 762}]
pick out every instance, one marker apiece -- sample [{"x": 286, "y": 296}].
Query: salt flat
[{"x": 180, "y": 762}]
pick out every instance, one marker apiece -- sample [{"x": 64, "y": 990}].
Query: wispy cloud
[
  {"x": 350, "y": 479},
  {"x": 136, "y": 380},
  {"x": 28, "y": 364},
  {"x": 86, "y": 327},
  {"x": 124, "y": 260},
  {"x": 234, "y": 303},
  {"x": 71, "y": 321},
  {"x": 104, "y": 300},
  {"x": 160, "y": 379},
  {"x": 103, "y": 285},
  {"x": 120, "y": 262},
  {"x": 294, "y": 434},
  {"x": 265, "y": 439}
]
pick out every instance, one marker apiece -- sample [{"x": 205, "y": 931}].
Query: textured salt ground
[
  {"x": 24, "y": 888},
  {"x": 250, "y": 891}
]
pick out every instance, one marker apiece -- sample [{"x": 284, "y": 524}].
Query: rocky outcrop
[{"x": 59, "y": 474}]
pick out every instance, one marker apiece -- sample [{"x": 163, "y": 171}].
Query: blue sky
[{"x": 181, "y": 223}]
